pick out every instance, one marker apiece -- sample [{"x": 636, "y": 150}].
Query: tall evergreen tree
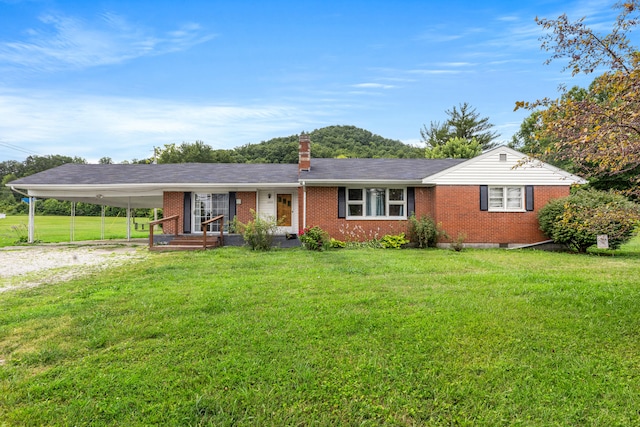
[{"x": 463, "y": 123}]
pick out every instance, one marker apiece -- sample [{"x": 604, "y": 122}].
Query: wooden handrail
[
  {"x": 152, "y": 225},
  {"x": 204, "y": 225}
]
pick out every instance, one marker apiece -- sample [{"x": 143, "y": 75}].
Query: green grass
[
  {"x": 54, "y": 229},
  {"x": 232, "y": 337}
]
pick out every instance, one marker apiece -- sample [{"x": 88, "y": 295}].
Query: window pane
[
  {"x": 396, "y": 194},
  {"x": 355, "y": 210},
  {"x": 355, "y": 194},
  {"x": 496, "y": 198},
  {"x": 496, "y": 192},
  {"x": 376, "y": 202},
  {"x": 396, "y": 210},
  {"x": 514, "y": 198}
]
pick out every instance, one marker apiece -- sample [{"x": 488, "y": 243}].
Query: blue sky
[{"x": 116, "y": 78}]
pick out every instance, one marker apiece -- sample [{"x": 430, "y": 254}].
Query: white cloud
[
  {"x": 124, "y": 128},
  {"x": 65, "y": 42},
  {"x": 373, "y": 86},
  {"x": 433, "y": 71},
  {"x": 456, "y": 64}
]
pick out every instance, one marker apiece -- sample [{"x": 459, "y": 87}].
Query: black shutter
[
  {"x": 484, "y": 197},
  {"x": 411, "y": 201},
  {"x": 342, "y": 202},
  {"x": 528, "y": 197},
  {"x": 232, "y": 205},
  {"x": 187, "y": 213}
]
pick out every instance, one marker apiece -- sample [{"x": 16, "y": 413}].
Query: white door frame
[{"x": 267, "y": 207}]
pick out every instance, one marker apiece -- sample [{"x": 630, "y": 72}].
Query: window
[
  {"x": 506, "y": 198},
  {"x": 376, "y": 202},
  {"x": 207, "y": 206}
]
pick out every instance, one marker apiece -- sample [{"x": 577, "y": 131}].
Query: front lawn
[{"x": 347, "y": 337}]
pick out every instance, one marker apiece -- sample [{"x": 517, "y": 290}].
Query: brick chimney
[{"x": 304, "y": 153}]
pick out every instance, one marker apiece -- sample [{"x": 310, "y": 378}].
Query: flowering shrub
[{"x": 315, "y": 239}]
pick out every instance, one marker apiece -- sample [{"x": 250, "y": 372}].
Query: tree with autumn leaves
[{"x": 595, "y": 132}]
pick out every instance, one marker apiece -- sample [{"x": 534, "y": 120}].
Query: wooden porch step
[
  {"x": 186, "y": 243},
  {"x": 192, "y": 242}
]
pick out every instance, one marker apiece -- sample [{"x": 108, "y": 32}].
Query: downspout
[
  {"x": 18, "y": 191},
  {"x": 304, "y": 205}
]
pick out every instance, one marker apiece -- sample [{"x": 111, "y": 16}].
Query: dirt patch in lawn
[{"x": 24, "y": 267}]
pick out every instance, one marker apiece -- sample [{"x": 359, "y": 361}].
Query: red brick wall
[
  {"x": 455, "y": 208},
  {"x": 173, "y": 204},
  {"x": 425, "y": 201},
  {"x": 458, "y": 211},
  {"x": 243, "y": 210},
  {"x": 322, "y": 210}
]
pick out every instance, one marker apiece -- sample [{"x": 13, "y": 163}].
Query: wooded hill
[{"x": 329, "y": 142}]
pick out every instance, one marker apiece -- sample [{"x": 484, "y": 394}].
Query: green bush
[
  {"x": 315, "y": 239},
  {"x": 457, "y": 244},
  {"x": 423, "y": 232},
  {"x": 334, "y": 243},
  {"x": 258, "y": 233},
  {"x": 391, "y": 241},
  {"x": 578, "y": 219}
]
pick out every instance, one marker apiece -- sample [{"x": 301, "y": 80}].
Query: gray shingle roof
[
  {"x": 181, "y": 173},
  {"x": 376, "y": 169},
  {"x": 239, "y": 173}
]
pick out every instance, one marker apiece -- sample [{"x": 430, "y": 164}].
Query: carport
[{"x": 129, "y": 196}]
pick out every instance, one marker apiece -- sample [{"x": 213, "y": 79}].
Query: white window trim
[
  {"x": 388, "y": 203},
  {"x": 505, "y": 191}
]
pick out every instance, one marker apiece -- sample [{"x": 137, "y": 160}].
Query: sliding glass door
[{"x": 207, "y": 206}]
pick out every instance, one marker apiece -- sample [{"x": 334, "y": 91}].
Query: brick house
[{"x": 493, "y": 198}]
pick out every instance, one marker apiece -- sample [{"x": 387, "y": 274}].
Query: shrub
[
  {"x": 423, "y": 232},
  {"x": 391, "y": 241},
  {"x": 578, "y": 219},
  {"x": 257, "y": 233},
  {"x": 315, "y": 239},
  {"x": 458, "y": 243},
  {"x": 337, "y": 243}
]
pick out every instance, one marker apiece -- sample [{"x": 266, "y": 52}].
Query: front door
[{"x": 283, "y": 206}]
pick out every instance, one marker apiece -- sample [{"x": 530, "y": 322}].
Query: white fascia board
[
  {"x": 346, "y": 183},
  {"x": 244, "y": 186},
  {"x": 148, "y": 188}
]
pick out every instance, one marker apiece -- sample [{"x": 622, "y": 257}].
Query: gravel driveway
[{"x": 29, "y": 266}]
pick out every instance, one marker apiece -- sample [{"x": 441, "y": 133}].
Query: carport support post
[
  {"x": 32, "y": 213},
  {"x": 102, "y": 224},
  {"x": 129, "y": 219},
  {"x": 73, "y": 222}
]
